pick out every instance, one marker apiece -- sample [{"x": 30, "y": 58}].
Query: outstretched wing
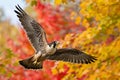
[
  {"x": 33, "y": 29},
  {"x": 72, "y": 55}
]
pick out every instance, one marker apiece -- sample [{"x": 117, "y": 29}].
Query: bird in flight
[{"x": 44, "y": 50}]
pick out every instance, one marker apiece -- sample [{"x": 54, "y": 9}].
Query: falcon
[{"x": 44, "y": 50}]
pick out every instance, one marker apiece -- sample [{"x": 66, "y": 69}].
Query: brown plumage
[{"x": 43, "y": 50}]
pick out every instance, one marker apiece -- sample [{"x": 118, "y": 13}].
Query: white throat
[{"x": 50, "y": 49}]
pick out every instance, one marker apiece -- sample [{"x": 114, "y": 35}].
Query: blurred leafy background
[{"x": 92, "y": 26}]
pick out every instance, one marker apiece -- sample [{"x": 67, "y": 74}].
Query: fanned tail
[{"x": 30, "y": 64}]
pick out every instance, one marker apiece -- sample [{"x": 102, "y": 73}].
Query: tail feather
[{"x": 29, "y": 63}]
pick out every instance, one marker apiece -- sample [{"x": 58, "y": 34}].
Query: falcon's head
[{"x": 54, "y": 44}]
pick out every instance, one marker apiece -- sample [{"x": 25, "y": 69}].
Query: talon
[
  {"x": 35, "y": 62},
  {"x": 38, "y": 63}
]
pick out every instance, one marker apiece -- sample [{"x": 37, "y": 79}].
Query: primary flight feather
[{"x": 43, "y": 49}]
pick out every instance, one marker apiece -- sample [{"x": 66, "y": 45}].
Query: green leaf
[{"x": 9, "y": 54}]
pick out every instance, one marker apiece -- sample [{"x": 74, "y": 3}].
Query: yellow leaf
[
  {"x": 78, "y": 20},
  {"x": 58, "y": 2}
]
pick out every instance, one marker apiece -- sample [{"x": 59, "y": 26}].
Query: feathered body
[{"x": 45, "y": 50}]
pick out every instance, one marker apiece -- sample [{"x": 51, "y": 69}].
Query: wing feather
[
  {"x": 71, "y": 55},
  {"x": 33, "y": 30}
]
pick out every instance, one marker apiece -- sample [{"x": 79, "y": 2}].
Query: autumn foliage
[{"x": 93, "y": 27}]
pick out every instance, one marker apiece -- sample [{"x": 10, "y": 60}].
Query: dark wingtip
[
  {"x": 93, "y": 59},
  {"x": 19, "y": 9},
  {"x": 90, "y": 59},
  {"x": 16, "y": 11},
  {"x": 17, "y": 6}
]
